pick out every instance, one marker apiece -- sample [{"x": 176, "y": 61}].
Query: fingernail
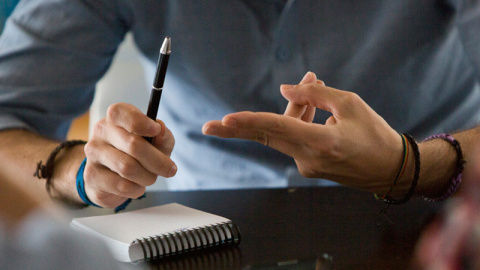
[
  {"x": 163, "y": 128},
  {"x": 286, "y": 87},
  {"x": 155, "y": 128},
  {"x": 209, "y": 130},
  {"x": 172, "y": 171},
  {"x": 307, "y": 76},
  {"x": 205, "y": 129}
]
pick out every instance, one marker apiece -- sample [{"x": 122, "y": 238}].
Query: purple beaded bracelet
[{"x": 457, "y": 178}]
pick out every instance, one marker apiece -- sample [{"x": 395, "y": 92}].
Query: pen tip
[{"x": 166, "y": 46}]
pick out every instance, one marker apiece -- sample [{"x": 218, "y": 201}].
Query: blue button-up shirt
[{"x": 415, "y": 62}]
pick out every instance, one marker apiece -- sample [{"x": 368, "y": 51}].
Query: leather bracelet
[
  {"x": 402, "y": 167},
  {"x": 389, "y": 200},
  {"x": 457, "y": 177},
  {"x": 45, "y": 171}
]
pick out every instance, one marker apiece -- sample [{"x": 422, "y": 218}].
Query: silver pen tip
[{"x": 166, "y": 46}]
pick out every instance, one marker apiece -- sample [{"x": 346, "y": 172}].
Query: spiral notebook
[{"x": 159, "y": 231}]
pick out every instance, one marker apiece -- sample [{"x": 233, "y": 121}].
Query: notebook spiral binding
[
  {"x": 187, "y": 240},
  {"x": 228, "y": 258}
]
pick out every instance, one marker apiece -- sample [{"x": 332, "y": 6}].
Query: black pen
[{"x": 157, "y": 87}]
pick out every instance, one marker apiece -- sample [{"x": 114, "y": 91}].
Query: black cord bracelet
[
  {"x": 389, "y": 200},
  {"x": 45, "y": 171}
]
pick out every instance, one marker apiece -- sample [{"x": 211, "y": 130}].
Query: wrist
[
  {"x": 409, "y": 142},
  {"x": 439, "y": 163},
  {"x": 62, "y": 183}
]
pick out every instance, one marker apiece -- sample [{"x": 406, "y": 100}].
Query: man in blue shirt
[{"x": 415, "y": 63}]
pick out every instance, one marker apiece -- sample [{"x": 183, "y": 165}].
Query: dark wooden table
[{"x": 287, "y": 224}]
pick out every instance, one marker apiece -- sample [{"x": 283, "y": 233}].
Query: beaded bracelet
[
  {"x": 457, "y": 178},
  {"x": 45, "y": 171},
  {"x": 389, "y": 200}
]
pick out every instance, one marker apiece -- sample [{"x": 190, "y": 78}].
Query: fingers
[
  {"x": 139, "y": 149},
  {"x": 320, "y": 96},
  {"x": 120, "y": 162},
  {"x": 165, "y": 140},
  {"x": 277, "y": 131},
  {"x": 310, "y": 112},
  {"x": 133, "y": 120},
  {"x": 350, "y": 148},
  {"x": 112, "y": 190},
  {"x": 304, "y": 112}
]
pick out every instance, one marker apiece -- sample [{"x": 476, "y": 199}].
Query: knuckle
[
  {"x": 311, "y": 88},
  {"x": 307, "y": 173},
  {"x": 99, "y": 128},
  {"x": 170, "y": 144},
  {"x": 275, "y": 127},
  {"x": 89, "y": 174},
  {"x": 110, "y": 204},
  {"x": 90, "y": 148},
  {"x": 280, "y": 128},
  {"x": 353, "y": 97},
  {"x": 327, "y": 150},
  {"x": 126, "y": 167},
  {"x": 136, "y": 126},
  {"x": 307, "y": 170},
  {"x": 349, "y": 99},
  {"x": 125, "y": 188},
  {"x": 260, "y": 137},
  {"x": 328, "y": 153},
  {"x": 150, "y": 180},
  {"x": 133, "y": 144},
  {"x": 104, "y": 199},
  {"x": 169, "y": 138},
  {"x": 313, "y": 170},
  {"x": 164, "y": 168},
  {"x": 137, "y": 192},
  {"x": 334, "y": 148},
  {"x": 113, "y": 111},
  {"x": 129, "y": 189},
  {"x": 97, "y": 197}
]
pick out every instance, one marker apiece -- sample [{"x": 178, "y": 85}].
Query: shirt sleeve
[
  {"x": 467, "y": 21},
  {"x": 52, "y": 53}
]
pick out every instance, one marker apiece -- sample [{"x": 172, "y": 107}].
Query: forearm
[
  {"x": 439, "y": 162},
  {"x": 21, "y": 150},
  {"x": 23, "y": 199}
]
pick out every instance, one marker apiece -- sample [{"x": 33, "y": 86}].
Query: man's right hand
[{"x": 120, "y": 162}]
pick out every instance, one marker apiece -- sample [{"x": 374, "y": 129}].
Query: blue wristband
[
  {"x": 81, "y": 185},
  {"x": 126, "y": 203},
  {"x": 83, "y": 194}
]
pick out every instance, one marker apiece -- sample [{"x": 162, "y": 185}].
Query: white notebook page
[{"x": 126, "y": 227}]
